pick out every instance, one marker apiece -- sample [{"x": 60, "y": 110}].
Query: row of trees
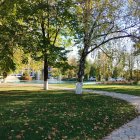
[
  {"x": 115, "y": 61},
  {"x": 121, "y": 64},
  {"x": 43, "y": 28}
]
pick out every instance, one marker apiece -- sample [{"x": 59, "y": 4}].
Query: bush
[
  {"x": 26, "y": 76},
  {"x": 119, "y": 82},
  {"x": 135, "y": 82}
]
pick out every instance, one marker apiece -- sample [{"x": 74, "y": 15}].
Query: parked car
[
  {"x": 92, "y": 79},
  {"x": 120, "y": 79},
  {"x": 18, "y": 75},
  {"x": 112, "y": 79}
]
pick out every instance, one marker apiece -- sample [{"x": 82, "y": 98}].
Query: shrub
[{"x": 26, "y": 76}]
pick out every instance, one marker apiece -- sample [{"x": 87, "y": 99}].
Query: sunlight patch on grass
[
  {"x": 20, "y": 102},
  {"x": 126, "y": 89}
]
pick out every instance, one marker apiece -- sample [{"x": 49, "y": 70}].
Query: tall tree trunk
[
  {"x": 4, "y": 76},
  {"x": 80, "y": 74},
  {"x": 45, "y": 55},
  {"x": 45, "y": 72},
  {"x": 81, "y": 70},
  {"x": 86, "y": 41}
]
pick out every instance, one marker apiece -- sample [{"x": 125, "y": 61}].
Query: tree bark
[
  {"x": 45, "y": 72},
  {"x": 81, "y": 70},
  {"x": 45, "y": 54},
  {"x": 80, "y": 74}
]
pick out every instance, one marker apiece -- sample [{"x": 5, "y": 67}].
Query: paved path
[{"x": 131, "y": 130}]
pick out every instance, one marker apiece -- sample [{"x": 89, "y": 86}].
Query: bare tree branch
[
  {"x": 57, "y": 31},
  {"x": 117, "y": 31},
  {"x": 94, "y": 24},
  {"x": 108, "y": 40},
  {"x": 105, "y": 53}
]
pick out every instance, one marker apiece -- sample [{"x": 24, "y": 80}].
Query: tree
[
  {"x": 102, "y": 22},
  {"x": 116, "y": 51},
  {"x": 9, "y": 35},
  {"x": 72, "y": 71},
  {"x": 137, "y": 47},
  {"x": 45, "y": 24},
  {"x": 87, "y": 70},
  {"x": 25, "y": 63},
  {"x": 92, "y": 71}
]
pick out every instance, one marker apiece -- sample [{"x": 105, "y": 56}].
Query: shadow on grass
[{"x": 34, "y": 115}]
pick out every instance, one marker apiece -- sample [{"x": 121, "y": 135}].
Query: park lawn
[
  {"x": 30, "y": 113},
  {"x": 64, "y": 85},
  {"x": 126, "y": 89}
]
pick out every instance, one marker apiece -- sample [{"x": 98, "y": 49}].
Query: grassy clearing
[
  {"x": 65, "y": 85},
  {"x": 126, "y": 89},
  {"x": 32, "y": 114}
]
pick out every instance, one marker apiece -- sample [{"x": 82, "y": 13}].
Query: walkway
[{"x": 131, "y": 130}]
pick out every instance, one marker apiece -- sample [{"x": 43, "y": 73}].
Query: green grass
[
  {"x": 30, "y": 113},
  {"x": 126, "y": 89},
  {"x": 65, "y": 85}
]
